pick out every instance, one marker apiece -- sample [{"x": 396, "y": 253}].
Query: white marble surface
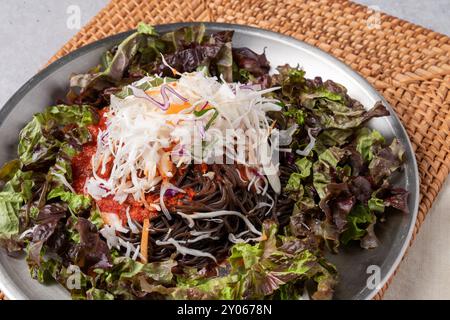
[{"x": 32, "y": 31}]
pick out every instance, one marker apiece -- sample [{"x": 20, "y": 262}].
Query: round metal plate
[{"x": 352, "y": 262}]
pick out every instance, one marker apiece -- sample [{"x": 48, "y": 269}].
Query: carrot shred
[
  {"x": 272, "y": 126},
  {"x": 144, "y": 241}
]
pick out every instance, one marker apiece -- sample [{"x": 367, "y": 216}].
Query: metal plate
[{"x": 352, "y": 262}]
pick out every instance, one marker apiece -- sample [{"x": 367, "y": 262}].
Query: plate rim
[{"x": 7, "y": 286}]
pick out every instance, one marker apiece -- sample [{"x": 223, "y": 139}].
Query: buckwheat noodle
[{"x": 225, "y": 190}]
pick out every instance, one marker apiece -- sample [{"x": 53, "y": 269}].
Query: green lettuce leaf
[
  {"x": 366, "y": 140},
  {"x": 10, "y": 203},
  {"x": 76, "y": 202},
  {"x": 333, "y": 113},
  {"x": 60, "y": 176},
  {"x": 144, "y": 28},
  {"x": 359, "y": 219},
  {"x": 386, "y": 161},
  {"x": 177, "y": 39},
  {"x": 17, "y": 191},
  {"x": 127, "y": 274},
  {"x": 327, "y": 163},
  {"x": 292, "y": 81},
  {"x": 81, "y": 115},
  {"x": 244, "y": 256},
  {"x": 248, "y": 66},
  {"x": 334, "y": 137},
  {"x": 222, "y": 288},
  {"x": 225, "y": 62},
  {"x": 260, "y": 270},
  {"x": 242, "y": 75},
  {"x": 45, "y": 272},
  {"x": 305, "y": 166},
  {"x": 9, "y": 169},
  {"x": 294, "y": 182},
  {"x": 95, "y": 218},
  {"x": 22, "y": 183},
  {"x": 38, "y": 144},
  {"x": 376, "y": 204},
  {"x": 98, "y": 294},
  {"x": 118, "y": 63},
  {"x": 327, "y": 103},
  {"x": 298, "y": 115}
]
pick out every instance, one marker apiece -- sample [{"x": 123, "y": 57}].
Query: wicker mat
[{"x": 408, "y": 64}]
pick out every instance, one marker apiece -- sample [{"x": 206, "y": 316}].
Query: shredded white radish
[
  {"x": 114, "y": 241},
  {"x": 198, "y": 238},
  {"x": 113, "y": 220},
  {"x": 236, "y": 239},
  {"x": 167, "y": 234},
  {"x": 136, "y": 253},
  {"x": 305, "y": 295},
  {"x": 134, "y": 229},
  {"x": 184, "y": 250},
  {"x": 209, "y": 174},
  {"x": 205, "y": 215},
  {"x": 138, "y": 133},
  {"x": 309, "y": 147},
  {"x": 130, "y": 249},
  {"x": 286, "y": 135},
  {"x": 109, "y": 233},
  {"x": 64, "y": 181},
  {"x": 27, "y": 232},
  {"x": 164, "y": 187}
]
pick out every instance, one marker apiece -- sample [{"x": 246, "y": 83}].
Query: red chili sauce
[{"x": 82, "y": 170}]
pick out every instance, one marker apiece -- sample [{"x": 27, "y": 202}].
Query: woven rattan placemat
[{"x": 408, "y": 64}]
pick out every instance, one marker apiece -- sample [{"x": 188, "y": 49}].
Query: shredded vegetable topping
[{"x": 141, "y": 133}]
